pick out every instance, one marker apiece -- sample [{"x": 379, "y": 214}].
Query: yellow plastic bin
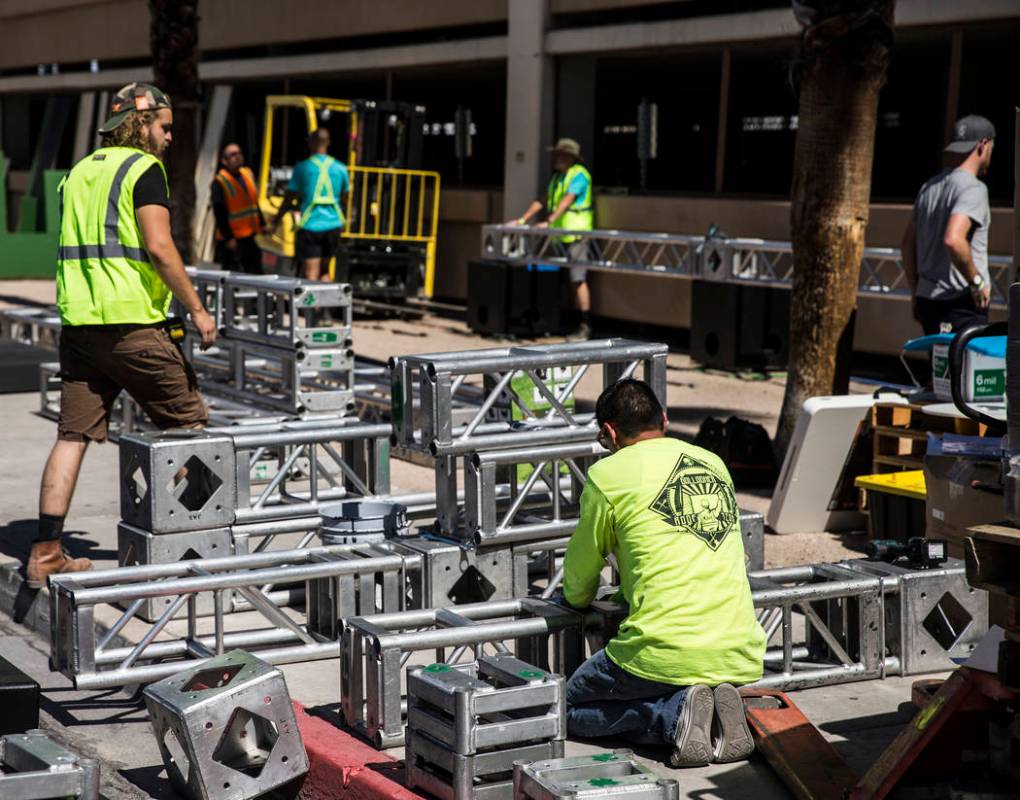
[{"x": 895, "y": 502}]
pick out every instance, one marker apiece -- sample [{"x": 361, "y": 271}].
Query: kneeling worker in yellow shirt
[{"x": 667, "y": 512}]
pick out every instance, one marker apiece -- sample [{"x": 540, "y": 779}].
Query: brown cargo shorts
[{"x": 98, "y": 361}]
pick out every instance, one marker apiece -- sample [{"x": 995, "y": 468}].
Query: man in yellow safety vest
[
  {"x": 569, "y": 206},
  {"x": 117, "y": 269}
]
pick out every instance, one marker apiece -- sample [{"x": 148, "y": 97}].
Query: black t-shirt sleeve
[{"x": 151, "y": 189}]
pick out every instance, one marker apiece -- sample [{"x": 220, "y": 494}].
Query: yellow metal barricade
[{"x": 395, "y": 205}]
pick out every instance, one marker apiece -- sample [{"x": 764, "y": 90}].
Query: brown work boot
[{"x": 49, "y": 558}]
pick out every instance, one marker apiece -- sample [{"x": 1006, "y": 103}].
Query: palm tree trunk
[
  {"x": 174, "y": 41},
  {"x": 842, "y": 67}
]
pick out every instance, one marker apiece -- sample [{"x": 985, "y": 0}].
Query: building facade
[{"x": 534, "y": 70}]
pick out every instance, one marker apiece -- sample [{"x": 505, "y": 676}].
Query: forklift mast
[
  {"x": 390, "y": 134},
  {"x": 388, "y": 243}
]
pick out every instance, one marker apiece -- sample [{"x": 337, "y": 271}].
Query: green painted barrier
[{"x": 30, "y": 253}]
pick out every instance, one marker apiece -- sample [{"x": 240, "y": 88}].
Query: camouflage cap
[{"x": 133, "y": 97}]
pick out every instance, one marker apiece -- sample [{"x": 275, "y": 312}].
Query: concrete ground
[{"x": 860, "y": 719}]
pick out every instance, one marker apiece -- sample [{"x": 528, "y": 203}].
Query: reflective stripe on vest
[
  {"x": 240, "y": 198},
  {"x": 580, "y": 216},
  {"x": 323, "y": 194},
  {"x": 104, "y": 276}
]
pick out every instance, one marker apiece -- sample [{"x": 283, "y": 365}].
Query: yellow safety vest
[
  {"x": 323, "y": 194},
  {"x": 580, "y": 216},
  {"x": 104, "y": 275}
]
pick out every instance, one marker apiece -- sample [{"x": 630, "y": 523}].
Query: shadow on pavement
[
  {"x": 102, "y": 708},
  {"x": 153, "y": 781}
]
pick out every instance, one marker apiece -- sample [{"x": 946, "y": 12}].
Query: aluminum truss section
[
  {"x": 602, "y": 776},
  {"x": 95, "y": 659},
  {"x": 665, "y": 253},
  {"x": 467, "y": 726},
  {"x": 498, "y": 701},
  {"x": 710, "y": 258},
  {"x": 440, "y": 375},
  {"x": 286, "y": 312},
  {"x": 191, "y": 480},
  {"x": 38, "y": 767},
  {"x": 31, "y": 325},
  {"x": 374, "y": 649},
  {"x": 226, "y": 728},
  {"x": 864, "y": 620},
  {"x": 558, "y": 471},
  {"x": 291, "y": 380}
]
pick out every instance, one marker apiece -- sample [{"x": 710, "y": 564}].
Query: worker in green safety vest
[
  {"x": 318, "y": 190},
  {"x": 569, "y": 206},
  {"x": 117, "y": 270}
]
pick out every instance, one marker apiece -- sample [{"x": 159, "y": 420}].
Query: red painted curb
[{"x": 342, "y": 766}]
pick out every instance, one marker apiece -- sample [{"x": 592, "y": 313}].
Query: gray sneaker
[
  {"x": 733, "y": 740},
  {"x": 693, "y": 746}
]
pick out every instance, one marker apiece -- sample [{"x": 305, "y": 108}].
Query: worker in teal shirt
[
  {"x": 666, "y": 511},
  {"x": 318, "y": 190}
]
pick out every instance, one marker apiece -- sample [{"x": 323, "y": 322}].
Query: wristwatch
[{"x": 976, "y": 282}]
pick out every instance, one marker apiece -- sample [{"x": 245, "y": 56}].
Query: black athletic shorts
[{"x": 316, "y": 244}]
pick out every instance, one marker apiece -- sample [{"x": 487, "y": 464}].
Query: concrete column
[
  {"x": 529, "y": 103},
  {"x": 575, "y": 104}
]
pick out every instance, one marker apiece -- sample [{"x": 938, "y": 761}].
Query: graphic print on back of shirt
[{"x": 697, "y": 501}]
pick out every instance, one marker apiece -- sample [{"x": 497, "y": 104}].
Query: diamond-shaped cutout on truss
[
  {"x": 214, "y": 678},
  {"x": 947, "y": 621},
  {"x": 246, "y": 743},
  {"x": 137, "y": 486},
  {"x": 194, "y": 484}
]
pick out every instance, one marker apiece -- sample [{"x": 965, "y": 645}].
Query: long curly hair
[{"x": 131, "y": 133}]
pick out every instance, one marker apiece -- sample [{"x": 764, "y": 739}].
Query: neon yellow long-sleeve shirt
[{"x": 667, "y": 510}]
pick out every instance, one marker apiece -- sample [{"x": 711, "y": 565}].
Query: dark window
[
  {"x": 911, "y": 115},
  {"x": 988, "y": 87},
  {"x": 685, "y": 88},
  {"x": 480, "y": 88},
  {"x": 762, "y": 124}
]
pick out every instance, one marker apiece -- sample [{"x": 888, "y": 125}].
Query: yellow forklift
[{"x": 388, "y": 245}]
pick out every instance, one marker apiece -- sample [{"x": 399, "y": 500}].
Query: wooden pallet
[{"x": 900, "y": 435}]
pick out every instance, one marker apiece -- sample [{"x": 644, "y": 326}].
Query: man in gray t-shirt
[{"x": 945, "y": 245}]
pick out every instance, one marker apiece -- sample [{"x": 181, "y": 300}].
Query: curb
[{"x": 339, "y": 765}]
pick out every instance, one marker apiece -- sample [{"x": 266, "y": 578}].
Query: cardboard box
[{"x": 953, "y": 505}]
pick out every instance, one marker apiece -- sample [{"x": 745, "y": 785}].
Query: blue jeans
[{"x": 606, "y": 700}]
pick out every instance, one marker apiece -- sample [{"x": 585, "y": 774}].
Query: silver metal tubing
[
  {"x": 454, "y": 637},
  {"x": 520, "y": 436},
  {"x": 153, "y": 672},
  {"x": 282, "y": 574},
  {"x": 243, "y": 439},
  {"x": 812, "y": 592},
  {"x": 523, "y": 454},
  {"x": 775, "y": 655},
  {"x": 526, "y": 533},
  {"x": 427, "y": 616},
  {"x": 177, "y": 569},
  {"x": 804, "y": 572},
  {"x": 178, "y": 647},
  {"x": 598, "y": 352}
]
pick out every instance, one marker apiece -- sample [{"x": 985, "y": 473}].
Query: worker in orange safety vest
[{"x": 235, "y": 207}]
